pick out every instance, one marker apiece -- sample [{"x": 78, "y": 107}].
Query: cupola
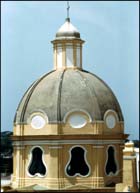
[{"x": 67, "y": 47}]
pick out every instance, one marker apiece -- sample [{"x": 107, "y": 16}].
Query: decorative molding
[
  {"x": 62, "y": 122},
  {"x": 97, "y": 137},
  {"x": 98, "y": 146},
  {"x": 129, "y": 157},
  {"x": 20, "y": 146},
  {"x": 65, "y": 142},
  {"x": 55, "y": 147}
]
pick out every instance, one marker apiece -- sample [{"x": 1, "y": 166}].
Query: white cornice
[{"x": 65, "y": 142}]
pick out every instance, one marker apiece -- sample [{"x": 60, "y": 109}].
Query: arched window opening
[
  {"x": 37, "y": 166},
  {"x": 111, "y": 166},
  {"x": 77, "y": 164}
]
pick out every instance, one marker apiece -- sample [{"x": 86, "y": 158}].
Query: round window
[
  {"x": 110, "y": 121},
  {"x": 77, "y": 121},
  {"x": 38, "y": 122}
]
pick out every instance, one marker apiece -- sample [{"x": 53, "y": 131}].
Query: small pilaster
[{"x": 99, "y": 166}]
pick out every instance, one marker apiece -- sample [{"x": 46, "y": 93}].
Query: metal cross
[{"x": 68, "y": 7}]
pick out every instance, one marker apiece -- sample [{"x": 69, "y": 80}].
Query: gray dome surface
[{"x": 62, "y": 91}]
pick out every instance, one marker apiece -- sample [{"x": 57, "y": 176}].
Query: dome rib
[
  {"x": 59, "y": 97},
  {"x": 99, "y": 107},
  {"x": 32, "y": 87},
  {"x": 22, "y": 99},
  {"x": 117, "y": 106},
  {"x": 65, "y": 90}
]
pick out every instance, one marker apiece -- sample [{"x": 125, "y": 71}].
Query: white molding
[
  {"x": 19, "y": 147},
  {"x": 62, "y": 122},
  {"x": 65, "y": 142},
  {"x": 91, "y": 121},
  {"x": 85, "y": 159},
  {"x": 98, "y": 146},
  {"x": 129, "y": 157},
  {"x": 29, "y": 163},
  {"x": 55, "y": 147}
]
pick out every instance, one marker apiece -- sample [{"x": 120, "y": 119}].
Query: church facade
[{"x": 68, "y": 127}]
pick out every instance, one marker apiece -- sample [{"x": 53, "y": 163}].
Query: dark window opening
[
  {"x": 77, "y": 164},
  {"x": 37, "y": 165},
  {"x": 111, "y": 166}
]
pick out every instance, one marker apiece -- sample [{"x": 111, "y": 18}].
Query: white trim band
[{"x": 61, "y": 142}]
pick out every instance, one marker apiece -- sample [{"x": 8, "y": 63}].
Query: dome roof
[
  {"x": 62, "y": 91},
  {"x": 67, "y": 30}
]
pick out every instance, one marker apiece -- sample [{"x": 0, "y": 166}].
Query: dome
[
  {"x": 63, "y": 91},
  {"x": 67, "y": 30}
]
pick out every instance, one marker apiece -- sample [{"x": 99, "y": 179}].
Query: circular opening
[
  {"x": 77, "y": 121},
  {"x": 38, "y": 122},
  {"x": 110, "y": 121}
]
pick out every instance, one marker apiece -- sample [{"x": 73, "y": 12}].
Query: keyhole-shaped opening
[
  {"x": 111, "y": 166},
  {"x": 77, "y": 164},
  {"x": 37, "y": 167}
]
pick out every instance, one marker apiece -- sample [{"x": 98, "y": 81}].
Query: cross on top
[{"x": 68, "y": 7}]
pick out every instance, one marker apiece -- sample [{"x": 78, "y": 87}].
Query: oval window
[
  {"x": 77, "y": 121},
  {"x": 38, "y": 122},
  {"x": 110, "y": 121}
]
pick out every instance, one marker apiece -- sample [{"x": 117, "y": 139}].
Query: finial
[{"x": 68, "y": 7}]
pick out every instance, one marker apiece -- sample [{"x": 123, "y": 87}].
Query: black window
[
  {"x": 111, "y": 166},
  {"x": 77, "y": 164},
  {"x": 37, "y": 166}
]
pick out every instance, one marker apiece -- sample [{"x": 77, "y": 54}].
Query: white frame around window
[
  {"x": 77, "y": 121},
  {"x": 110, "y": 121},
  {"x": 38, "y": 113},
  {"x": 30, "y": 161},
  {"x": 114, "y": 114},
  {"x": 116, "y": 161},
  {"x": 85, "y": 159},
  {"x": 77, "y": 111},
  {"x": 34, "y": 122}
]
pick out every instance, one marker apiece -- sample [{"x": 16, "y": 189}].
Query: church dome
[
  {"x": 62, "y": 91},
  {"x": 67, "y": 30}
]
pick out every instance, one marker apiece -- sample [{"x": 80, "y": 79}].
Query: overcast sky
[{"x": 110, "y": 29}]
